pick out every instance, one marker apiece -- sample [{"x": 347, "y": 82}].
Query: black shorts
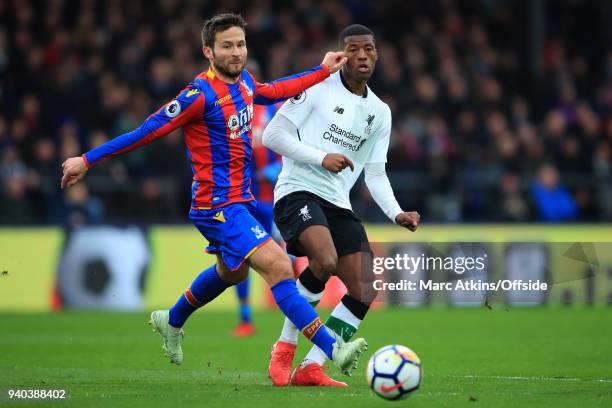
[{"x": 297, "y": 211}]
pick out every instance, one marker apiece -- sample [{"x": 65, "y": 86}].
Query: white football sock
[{"x": 315, "y": 355}]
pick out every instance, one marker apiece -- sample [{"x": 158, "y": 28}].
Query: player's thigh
[
  {"x": 293, "y": 214},
  {"x": 347, "y": 232},
  {"x": 233, "y": 235},
  {"x": 354, "y": 255},
  {"x": 303, "y": 225},
  {"x": 229, "y": 276},
  {"x": 271, "y": 262},
  {"x": 355, "y": 271}
]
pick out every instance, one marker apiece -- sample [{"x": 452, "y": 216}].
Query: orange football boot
[
  {"x": 281, "y": 359},
  {"x": 312, "y": 375}
]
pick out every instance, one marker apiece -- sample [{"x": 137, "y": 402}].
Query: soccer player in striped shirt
[{"x": 216, "y": 113}]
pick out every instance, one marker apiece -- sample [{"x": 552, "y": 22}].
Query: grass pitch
[{"x": 479, "y": 357}]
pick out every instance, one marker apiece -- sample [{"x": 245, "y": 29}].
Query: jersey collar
[
  {"x": 210, "y": 74},
  {"x": 365, "y": 91}
]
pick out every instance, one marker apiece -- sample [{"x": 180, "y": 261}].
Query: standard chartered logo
[{"x": 343, "y": 138}]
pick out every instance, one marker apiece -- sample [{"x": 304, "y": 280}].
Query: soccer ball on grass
[{"x": 394, "y": 372}]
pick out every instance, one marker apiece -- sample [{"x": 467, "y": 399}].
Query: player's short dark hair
[
  {"x": 220, "y": 22},
  {"x": 354, "y": 29}
]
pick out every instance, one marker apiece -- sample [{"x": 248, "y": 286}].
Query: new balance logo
[
  {"x": 305, "y": 213},
  {"x": 339, "y": 110},
  {"x": 370, "y": 119}
]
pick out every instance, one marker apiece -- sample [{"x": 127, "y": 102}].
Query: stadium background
[
  {"x": 502, "y": 110},
  {"x": 484, "y": 95}
]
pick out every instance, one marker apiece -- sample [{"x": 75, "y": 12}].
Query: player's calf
[
  {"x": 362, "y": 291},
  {"x": 281, "y": 357},
  {"x": 206, "y": 287},
  {"x": 311, "y": 289}
]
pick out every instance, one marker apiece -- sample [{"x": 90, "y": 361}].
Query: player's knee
[
  {"x": 279, "y": 270},
  {"x": 235, "y": 277},
  {"x": 323, "y": 266},
  {"x": 242, "y": 273}
]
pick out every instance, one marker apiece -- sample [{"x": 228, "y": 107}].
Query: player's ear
[{"x": 208, "y": 52}]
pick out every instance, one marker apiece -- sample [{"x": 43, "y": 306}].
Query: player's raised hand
[
  {"x": 334, "y": 60},
  {"x": 408, "y": 220},
  {"x": 74, "y": 170},
  {"x": 336, "y": 162}
]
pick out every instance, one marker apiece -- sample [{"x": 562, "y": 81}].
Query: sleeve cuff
[
  {"x": 87, "y": 163},
  {"x": 397, "y": 212},
  {"x": 321, "y": 157},
  {"x": 325, "y": 70}
]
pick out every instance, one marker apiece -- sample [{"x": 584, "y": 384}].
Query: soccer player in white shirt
[{"x": 321, "y": 133}]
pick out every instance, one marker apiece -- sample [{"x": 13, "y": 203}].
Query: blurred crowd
[{"x": 486, "y": 127}]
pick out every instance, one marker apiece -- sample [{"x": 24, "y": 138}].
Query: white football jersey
[{"x": 332, "y": 119}]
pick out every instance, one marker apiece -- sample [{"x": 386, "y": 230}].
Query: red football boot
[
  {"x": 244, "y": 329},
  {"x": 281, "y": 359},
  {"x": 312, "y": 375}
]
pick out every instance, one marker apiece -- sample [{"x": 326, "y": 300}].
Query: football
[{"x": 394, "y": 372}]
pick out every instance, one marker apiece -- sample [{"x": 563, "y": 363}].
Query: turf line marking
[{"x": 522, "y": 378}]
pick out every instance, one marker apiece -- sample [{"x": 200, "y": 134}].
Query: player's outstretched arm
[
  {"x": 186, "y": 107},
  {"x": 378, "y": 183},
  {"x": 287, "y": 87}
]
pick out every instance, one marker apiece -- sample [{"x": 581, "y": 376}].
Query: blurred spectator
[
  {"x": 513, "y": 205},
  {"x": 15, "y": 207},
  {"x": 80, "y": 208},
  {"x": 472, "y": 121},
  {"x": 553, "y": 201}
]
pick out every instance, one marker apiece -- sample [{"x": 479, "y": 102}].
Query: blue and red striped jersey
[{"x": 217, "y": 122}]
